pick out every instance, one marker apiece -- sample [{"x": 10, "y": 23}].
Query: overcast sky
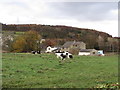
[{"x": 101, "y": 16}]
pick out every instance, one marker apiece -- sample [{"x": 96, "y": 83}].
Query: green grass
[
  {"x": 45, "y": 71},
  {"x": 16, "y": 33},
  {"x": 19, "y": 33}
]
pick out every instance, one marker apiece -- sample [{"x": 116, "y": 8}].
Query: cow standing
[{"x": 63, "y": 55}]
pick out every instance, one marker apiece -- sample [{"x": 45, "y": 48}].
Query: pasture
[{"x": 45, "y": 71}]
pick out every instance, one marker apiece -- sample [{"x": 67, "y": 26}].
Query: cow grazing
[{"x": 63, "y": 55}]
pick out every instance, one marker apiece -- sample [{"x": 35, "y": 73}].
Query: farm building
[
  {"x": 50, "y": 49},
  {"x": 86, "y": 52},
  {"x": 100, "y": 53},
  {"x": 73, "y": 46}
]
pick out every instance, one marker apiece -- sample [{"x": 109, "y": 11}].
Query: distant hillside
[
  {"x": 93, "y": 38},
  {"x": 49, "y": 31}
]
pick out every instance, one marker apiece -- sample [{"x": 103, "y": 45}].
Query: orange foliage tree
[
  {"x": 27, "y": 42},
  {"x": 19, "y": 44},
  {"x": 51, "y": 42}
]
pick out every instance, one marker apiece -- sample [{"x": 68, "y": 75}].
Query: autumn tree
[
  {"x": 27, "y": 42},
  {"x": 19, "y": 44},
  {"x": 50, "y": 42}
]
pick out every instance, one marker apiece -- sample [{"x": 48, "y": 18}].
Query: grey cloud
[{"x": 84, "y": 10}]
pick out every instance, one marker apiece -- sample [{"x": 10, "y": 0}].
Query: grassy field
[{"x": 45, "y": 71}]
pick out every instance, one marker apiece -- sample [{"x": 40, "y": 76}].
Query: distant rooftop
[{"x": 69, "y": 43}]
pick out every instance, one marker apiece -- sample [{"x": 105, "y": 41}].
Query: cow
[{"x": 63, "y": 55}]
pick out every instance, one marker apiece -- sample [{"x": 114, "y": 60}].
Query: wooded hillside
[{"x": 92, "y": 38}]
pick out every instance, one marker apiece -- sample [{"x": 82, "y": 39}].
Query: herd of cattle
[{"x": 62, "y": 55}]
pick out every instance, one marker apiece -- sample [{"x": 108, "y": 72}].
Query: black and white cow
[{"x": 63, "y": 55}]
